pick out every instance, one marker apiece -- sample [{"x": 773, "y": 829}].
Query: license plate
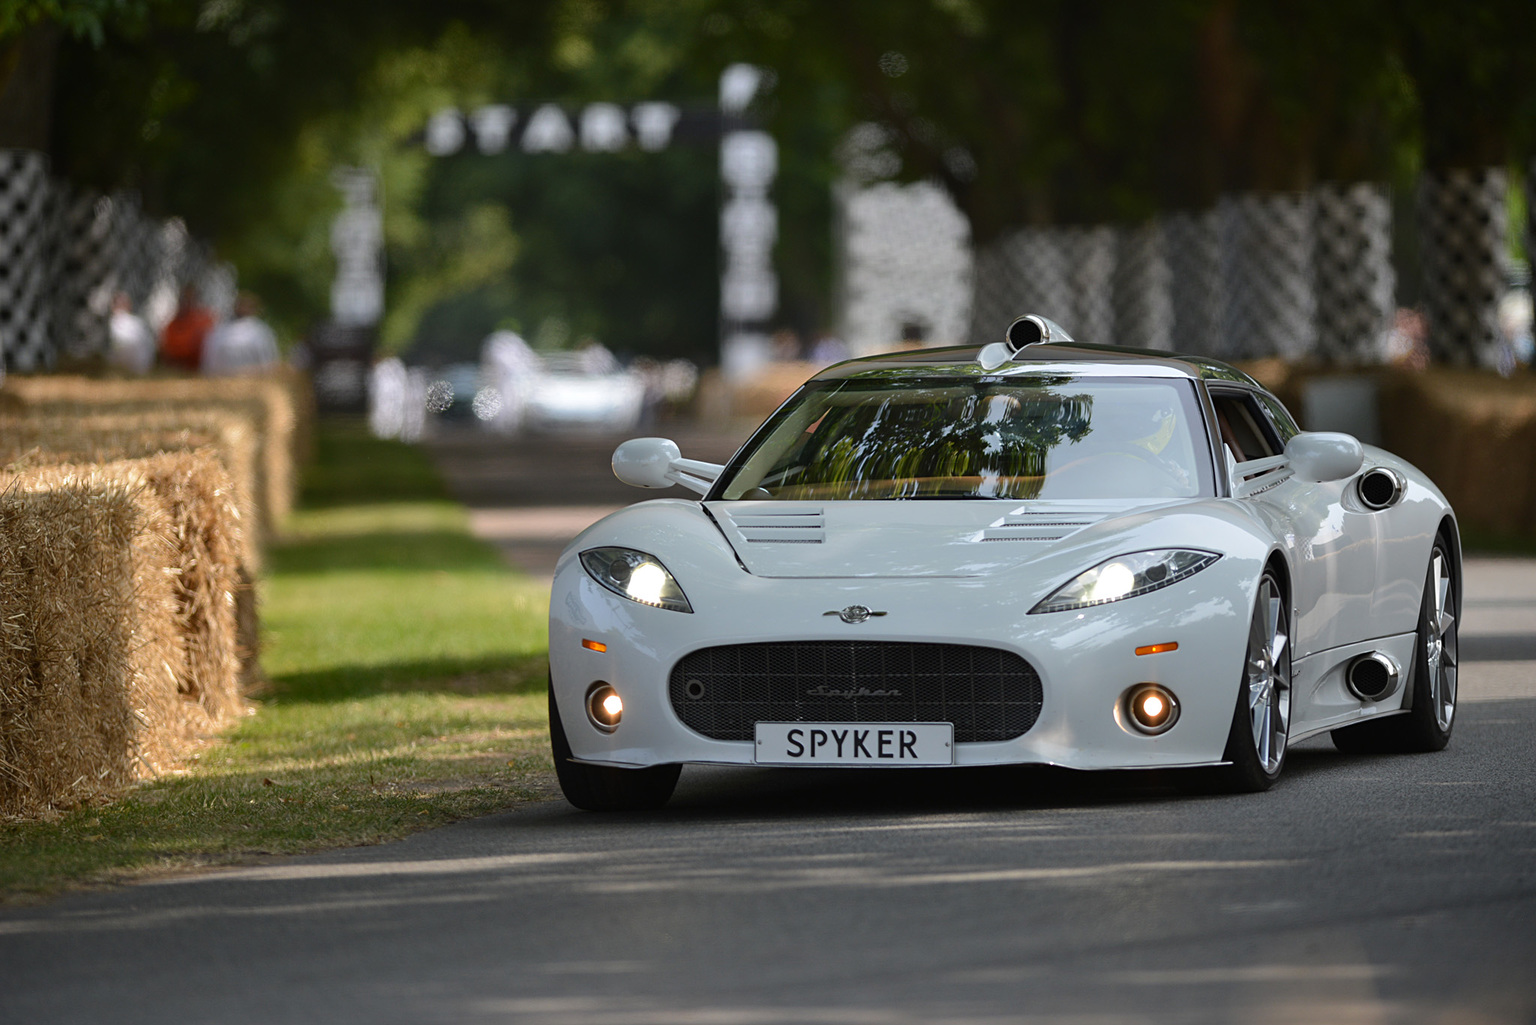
[{"x": 841, "y": 743}]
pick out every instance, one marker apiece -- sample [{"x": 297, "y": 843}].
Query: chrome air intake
[
  {"x": 1380, "y": 488},
  {"x": 1371, "y": 677}
]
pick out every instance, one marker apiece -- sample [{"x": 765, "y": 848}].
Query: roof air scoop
[{"x": 1028, "y": 330}]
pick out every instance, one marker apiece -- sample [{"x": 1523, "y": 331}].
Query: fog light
[
  {"x": 1151, "y": 708},
  {"x": 604, "y": 707}
]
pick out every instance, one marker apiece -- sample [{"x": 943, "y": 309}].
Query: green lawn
[{"x": 407, "y": 669}]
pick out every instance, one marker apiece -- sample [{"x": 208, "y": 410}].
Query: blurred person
[
  {"x": 242, "y": 345},
  {"x": 594, "y": 358},
  {"x": 1406, "y": 342},
  {"x": 132, "y": 343},
  {"x": 786, "y": 346},
  {"x": 181, "y": 343},
  {"x": 913, "y": 335},
  {"x": 512, "y": 368},
  {"x": 1515, "y": 316},
  {"x": 829, "y": 349}
]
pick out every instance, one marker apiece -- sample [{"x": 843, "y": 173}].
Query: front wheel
[
  {"x": 602, "y": 787},
  {"x": 1261, "y": 721}
]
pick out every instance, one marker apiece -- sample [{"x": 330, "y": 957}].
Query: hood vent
[
  {"x": 801, "y": 527},
  {"x": 1044, "y": 525}
]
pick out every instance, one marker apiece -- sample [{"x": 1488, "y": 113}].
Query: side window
[
  {"x": 1280, "y": 417},
  {"x": 1245, "y": 430}
]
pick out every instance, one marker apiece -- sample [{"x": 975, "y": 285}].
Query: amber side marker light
[
  {"x": 1158, "y": 649},
  {"x": 600, "y": 646}
]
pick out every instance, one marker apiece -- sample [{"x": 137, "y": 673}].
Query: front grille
[{"x": 988, "y": 694}]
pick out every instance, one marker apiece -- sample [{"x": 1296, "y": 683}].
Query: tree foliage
[{"x": 232, "y": 113}]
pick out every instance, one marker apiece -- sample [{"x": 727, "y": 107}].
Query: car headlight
[
  {"x": 636, "y": 576},
  {"x": 1126, "y": 576}
]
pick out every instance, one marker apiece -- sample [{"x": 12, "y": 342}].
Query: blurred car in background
[{"x": 569, "y": 392}]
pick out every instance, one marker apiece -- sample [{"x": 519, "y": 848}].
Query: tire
[
  {"x": 601, "y": 788},
  {"x": 1426, "y": 726},
  {"x": 1261, "y": 722}
]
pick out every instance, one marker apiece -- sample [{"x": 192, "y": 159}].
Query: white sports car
[{"x": 1032, "y": 552}]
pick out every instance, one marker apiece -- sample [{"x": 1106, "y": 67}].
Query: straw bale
[
  {"x": 1474, "y": 434},
  {"x": 36, "y": 440},
  {"x": 271, "y": 402},
  {"x": 1284, "y": 380},
  {"x": 89, "y": 638},
  {"x": 205, "y": 533}
]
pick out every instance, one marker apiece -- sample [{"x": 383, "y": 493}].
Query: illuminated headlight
[
  {"x": 636, "y": 576},
  {"x": 1126, "y": 576}
]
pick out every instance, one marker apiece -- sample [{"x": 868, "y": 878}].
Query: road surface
[{"x": 1359, "y": 890}]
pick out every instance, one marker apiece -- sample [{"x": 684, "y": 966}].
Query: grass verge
[{"x": 407, "y": 670}]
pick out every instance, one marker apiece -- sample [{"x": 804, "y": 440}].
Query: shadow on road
[{"x": 710, "y": 792}]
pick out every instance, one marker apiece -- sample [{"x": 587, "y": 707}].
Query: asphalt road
[{"x": 1359, "y": 890}]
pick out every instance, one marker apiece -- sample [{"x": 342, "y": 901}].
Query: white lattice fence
[
  {"x": 1257, "y": 275},
  {"x": 1090, "y": 272},
  {"x": 64, "y": 254},
  {"x": 1352, "y": 263},
  {"x": 1141, "y": 290},
  {"x": 1462, "y": 222},
  {"x": 26, "y": 216},
  {"x": 137, "y": 247},
  {"x": 1266, "y": 265},
  {"x": 1196, "y": 290},
  {"x": 1025, "y": 272},
  {"x": 88, "y": 273},
  {"x": 906, "y": 259}
]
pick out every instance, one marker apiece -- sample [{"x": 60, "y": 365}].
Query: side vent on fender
[
  {"x": 1380, "y": 488},
  {"x": 780, "y": 528},
  {"x": 1049, "y": 525}
]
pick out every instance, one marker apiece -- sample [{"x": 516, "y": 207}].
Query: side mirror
[
  {"x": 644, "y": 462},
  {"x": 658, "y": 463},
  {"x": 1324, "y": 455}
]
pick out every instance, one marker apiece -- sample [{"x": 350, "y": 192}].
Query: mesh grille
[{"x": 988, "y": 694}]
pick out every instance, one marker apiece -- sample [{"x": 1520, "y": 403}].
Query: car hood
[{"x": 912, "y": 538}]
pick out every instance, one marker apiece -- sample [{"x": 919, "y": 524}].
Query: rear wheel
[
  {"x": 1432, "y": 701},
  {"x": 602, "y": 787},
  {"x": 1261, "y": 721}
]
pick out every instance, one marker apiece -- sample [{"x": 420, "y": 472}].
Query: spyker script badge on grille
[{"x": 853, "y": 613}]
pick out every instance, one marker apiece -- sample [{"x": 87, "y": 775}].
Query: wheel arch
[
  {"x": 1450, "y": 533},
  {"x": 1281, "y": 567}
]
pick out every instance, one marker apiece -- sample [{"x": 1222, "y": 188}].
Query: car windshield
[{"x": 1041, "y": 437}]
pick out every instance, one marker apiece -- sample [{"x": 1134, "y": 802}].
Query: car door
[{"x": 1333, "y": 544}]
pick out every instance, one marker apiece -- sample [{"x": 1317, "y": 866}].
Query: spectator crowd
[{"x": 194, "y": 340}]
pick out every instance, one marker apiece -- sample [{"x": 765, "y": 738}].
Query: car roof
[{"x": 1075, "y": 358}]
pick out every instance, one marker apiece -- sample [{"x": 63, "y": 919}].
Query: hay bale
[
  {"x": 1284, "y": 380},
  {"x": 36, "y": 440},
  {"x": 210, "y": 578},
  {"x": 1474, "y": 434},
  {"x": 89, "y": 638},
  {"x": 33, "y": 442},
  {"x": 269, "y": 402}
]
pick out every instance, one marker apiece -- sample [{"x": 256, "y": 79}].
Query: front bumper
[{"x": 1086, "y": 659}]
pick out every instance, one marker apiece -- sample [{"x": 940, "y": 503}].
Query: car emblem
[{"x": 853, "y": 613}]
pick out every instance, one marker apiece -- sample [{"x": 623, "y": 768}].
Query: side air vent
[
  {"x": 1380, "y": 488},
  {"x": 1040, "y": 526},
  {"x": 785, "y": 528},
  {"x": 1371, "y": 677}
]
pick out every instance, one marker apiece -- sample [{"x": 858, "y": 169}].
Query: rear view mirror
[
  {"x": 658, "y": 463},
  {"x": 1324, "y": 455}
]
